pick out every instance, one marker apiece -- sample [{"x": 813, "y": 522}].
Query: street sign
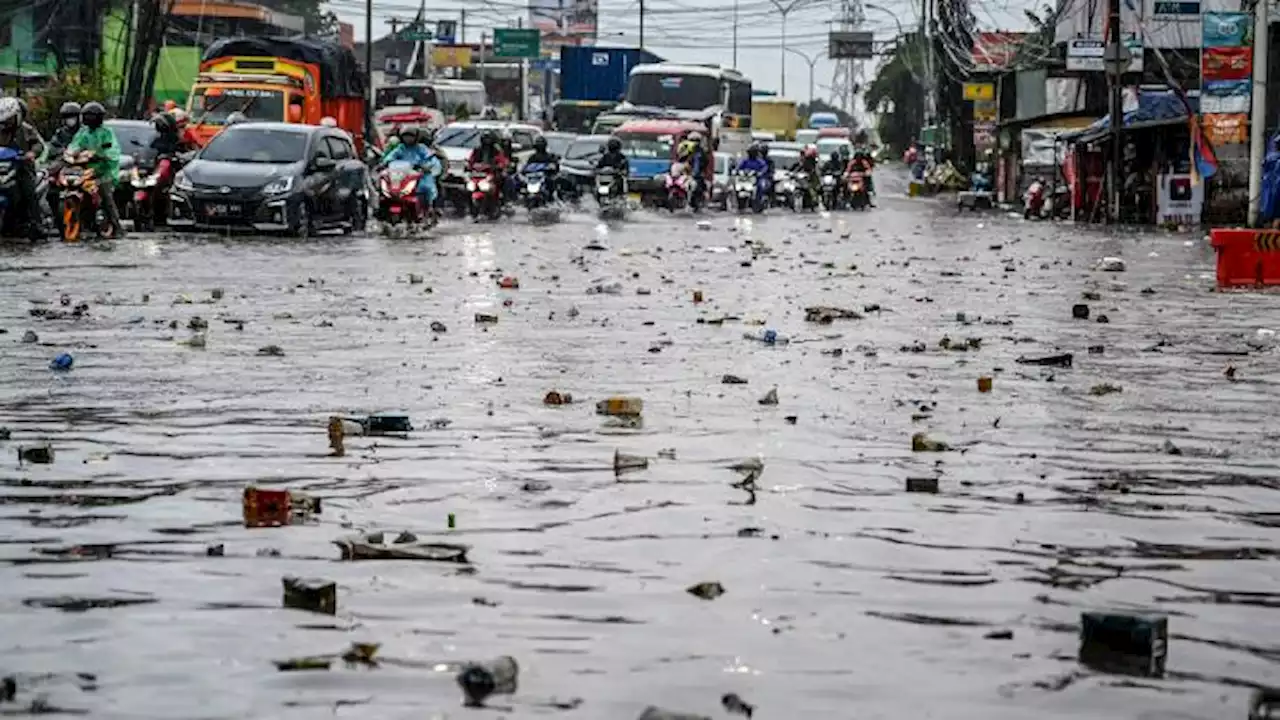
[
  {"x": 544, "y": 64},
  {"x": 516, "y": 43},
  {"x": 446, "y": 32},
  {"x": 854, "y": 44},
  {"x": 1088, "y": 54},
  {"x": 414, "y": 34}
]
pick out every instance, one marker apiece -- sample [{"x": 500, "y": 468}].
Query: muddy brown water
[{"x": 845, "y": 596}]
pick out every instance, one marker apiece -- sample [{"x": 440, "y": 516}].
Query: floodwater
[{"x": 846, "y": 597}]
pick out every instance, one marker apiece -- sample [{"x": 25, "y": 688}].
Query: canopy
[
  {"x": 1154, "y": 110},
  {"x": 340, "y": 74}
]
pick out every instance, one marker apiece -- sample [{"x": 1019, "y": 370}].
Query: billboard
[{"x": 564, "y": 22}]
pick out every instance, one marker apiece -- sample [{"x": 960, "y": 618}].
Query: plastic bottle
[{"x": 768, "y": 336}]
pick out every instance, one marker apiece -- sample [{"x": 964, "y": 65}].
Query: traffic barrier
[{"x": 1247, "y": 257}]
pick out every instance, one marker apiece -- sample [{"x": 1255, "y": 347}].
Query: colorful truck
[
  {"x": 775, "y": 115},
  {"x": 297, "y": 80}
]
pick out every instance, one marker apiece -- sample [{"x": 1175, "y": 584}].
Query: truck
[
  {"x": 775, "y": 115},
  {"x": 593, "y": 80},
  {"x": 296, "y": 80}
]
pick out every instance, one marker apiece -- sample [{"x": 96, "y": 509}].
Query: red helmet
[{"x": 811, "y": 151}]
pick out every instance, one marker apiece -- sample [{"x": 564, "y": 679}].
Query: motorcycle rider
[
  {"x": 168, "y": 146},
  {"x": 69, "y": 114},
  {"x": 701, "y": 165},
  {"x": 424, "y": 160},
  {"x": 861, "y": 163},
  {"x": 809, "y": 167},
  {"x": 756, "y": 164},
  {"x": 613, "y": 160},
  {"x": 16, "y": 133},
  {"x": 97, "y": 138},
  {"x": 489, "y": 158},
  {"x": 542, "y": 156}
]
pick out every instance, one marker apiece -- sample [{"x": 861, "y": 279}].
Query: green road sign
[
  {"x": 515, "y": 43},
  {"x": 416, "y": 35}
]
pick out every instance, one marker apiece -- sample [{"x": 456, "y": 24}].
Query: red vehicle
[
  {"x": 857, "y": 189},
  {"x": 81, "y": 197},
  {"x": 151, "y": 193},
  {"x": 398, "y": 198},
  {"x": 485, "y": 188},
  {"x": 835, "y": 132}
]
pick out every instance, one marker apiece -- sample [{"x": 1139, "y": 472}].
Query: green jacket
[{"x": 102, "y": 141}]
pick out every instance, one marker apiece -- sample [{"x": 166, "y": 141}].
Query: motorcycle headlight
[
  {"x": 385, "y": 185},
  {"x": 409, "y": 188},
  {"x": 485, "y": 186},
  {"x": 535, "y": 186},
  {"x": 182, "y": 182},
  {"x": 278, "y": 186},
  {"x": 471, "y": 185},
  {"x": 603, "y": 189}
]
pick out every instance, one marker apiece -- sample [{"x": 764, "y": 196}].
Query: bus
[
  {"x": 717, "y": 96},
  {"x": 426, "y": 103}
]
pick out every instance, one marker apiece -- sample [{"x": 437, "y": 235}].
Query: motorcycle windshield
[
  {"x": 535, "y": 168},
  {"x": 8, "y": 154}
]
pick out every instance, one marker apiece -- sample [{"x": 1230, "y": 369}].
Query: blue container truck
[{"x": 588, "y": 72}]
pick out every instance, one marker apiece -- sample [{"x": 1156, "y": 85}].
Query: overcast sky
[{"x": 702, "y": 30}]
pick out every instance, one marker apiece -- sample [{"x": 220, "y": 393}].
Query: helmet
[
  {"x": 179, "y": 117},
  {"x": 235, "y": 118},
  {"x": 540, "y": 143},
  {"x": 409, "y": 136},
  {"x": 614, "y": 144},
  {"x": 170, "y": 106},
  {"x": 10, "y": 110},
  {"x": 328, "y": 121},
  {"x": 488, "y": 138},
  {"x": 845, "y": 151},
  {"x": 163, "y": 122},
  {"x": 93, "y": 114},
  {"x": 695, "y": 136},
  {"x": 811, "y": 151},
  {"x": 753, "y": 152},
  {"x": 70, "y": 109}
]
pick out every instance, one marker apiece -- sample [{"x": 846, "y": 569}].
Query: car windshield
[
  {"x": 133, "y": 136},
  {"x": 460, "y": 137},
  {"x": 212, "y": 106},
  {"x": 682, "y": 92},
  {"x": 784, "y": 159},
  {"x": 558, "y": 144},
  {"x": 588, "y": 148},
  {"x": 406, "y": 96},
  {"x": 829, "y": 145},
  {"x": 256, "y": 145},
  {"x": 646, "y": 146}
]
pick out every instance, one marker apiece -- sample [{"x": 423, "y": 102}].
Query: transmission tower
[{"x": 847, "y": 82}]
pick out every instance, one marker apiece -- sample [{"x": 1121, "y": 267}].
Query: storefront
[{"x": 1028, "y": 149}]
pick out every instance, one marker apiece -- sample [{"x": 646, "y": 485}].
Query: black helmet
[
  {"x": 488, "y": 138},
  {"x": 93, "y": 114},
  {"x": 835, "y": 156},
  {"x": 614, "y": 145},
  {"x": 753, "y": 152},
  {"x": 70, "y": 109},
  {"x": 164, "y": 123},
  {"x": 409, "y": 136},
  {"x": 540, "y": 143}
]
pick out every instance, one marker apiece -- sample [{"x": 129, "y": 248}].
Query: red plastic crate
[
  {"x": 266, "y": 508},
  {"x": 1247, "y": 258}
]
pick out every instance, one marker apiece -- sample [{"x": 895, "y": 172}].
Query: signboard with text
[
  {"x": 1087, "y": 54},
  {"x": 516, "y": 43},
  {"x": 850, "y": 45}
]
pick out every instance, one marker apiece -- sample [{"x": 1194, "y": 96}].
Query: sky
[{"x": 702, "y": 30}]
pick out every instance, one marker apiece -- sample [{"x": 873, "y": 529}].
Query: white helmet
[
  {"x": 9, "y": 108},
  {"x": 328, "y": 122},
  {"x": 695, "y": 136}
]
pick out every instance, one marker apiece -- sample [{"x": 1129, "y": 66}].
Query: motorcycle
[
  {"x": 535, "y": 190},
  {"x": 1037, "y": 204},
  {"x": 150, "y": 193},
  {"x": 611, "y": 188},
  {"x": 398, "y": 198},
  {"x": 486, "y": 194},
  {"x": 81, "y": 197},
  {"x": 749, "y": 190},
  {"x": 10, "y": 164},
  {"x": 859, "y": 199},
  {"x": 678, "y": 191},
  {"x": 832, "y": 198},
  {"x": 785, "y": 190},
  {"x": 810, "y": 196}
]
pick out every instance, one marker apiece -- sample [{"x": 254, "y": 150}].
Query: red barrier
[{"x": 1247, "y": 257}]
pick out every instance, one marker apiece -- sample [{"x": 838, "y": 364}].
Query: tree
[{"x": 897, "y": 84}]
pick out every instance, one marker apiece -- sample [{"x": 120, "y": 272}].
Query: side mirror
[{"x": 323, "y": 164}]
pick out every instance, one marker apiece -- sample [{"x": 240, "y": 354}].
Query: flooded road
[{"x": 846, "y": 597}]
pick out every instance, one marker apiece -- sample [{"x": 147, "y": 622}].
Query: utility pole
[
  {"x": 735, "y": 34},
  {"x": 462, "y": 27},
  {"x": 784, "y": 10},
  {"x": 1117, "y": 67},
  {"x": 368, "y": 68},
  {"x": 524, "y": 95},
  {"x": 395, "y": 43},
  {"x": 641, "y": 24},
  {"x": 1258, "y": 118}
]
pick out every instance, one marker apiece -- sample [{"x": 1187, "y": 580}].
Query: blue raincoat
[
  {"x": 1269, "y": 202},
  {"x": 422, "y": 157}
]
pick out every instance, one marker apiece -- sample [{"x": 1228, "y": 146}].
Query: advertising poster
[
  {"x": 564, "y": 22},
  {"x": 1227, "y": 30},
  {"x": 1226, "y": 63},
  {"x": 1180, "y": 201},
  {"x": 1232, "y": 129},
  {"x": 1225, "y": 97}
]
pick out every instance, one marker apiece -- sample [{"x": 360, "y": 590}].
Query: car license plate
[{"x": 221, "y": 209}]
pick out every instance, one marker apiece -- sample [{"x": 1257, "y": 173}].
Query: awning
[{"x": 1155, "y": 109}]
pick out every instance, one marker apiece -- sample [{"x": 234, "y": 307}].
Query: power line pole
[
  {"x": 1117, "y": 67},
  {"x": 735, "y": 34},
  {"x": 1258, "y": 121},
  {"x": 641, "y": 24},
  {"x": 368, "y": 68}
]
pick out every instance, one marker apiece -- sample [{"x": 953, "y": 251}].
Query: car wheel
[{"x": 301, "y": 221}]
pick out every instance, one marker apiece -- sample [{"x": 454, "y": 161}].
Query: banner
[
  {"x": 1226, "y": 63},
  {"x": 454, "y": 56},
  {"x": 1227, "y": 129},
  {"x": 1227, "y": 29},
  {"x": 564, "y": 22},
  {"x": 1225, "y": 96}
]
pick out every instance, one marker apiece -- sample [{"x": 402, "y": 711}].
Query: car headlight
[
  {"x": 278, "y": 186},
  {"x": 182, "y": 182}
]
